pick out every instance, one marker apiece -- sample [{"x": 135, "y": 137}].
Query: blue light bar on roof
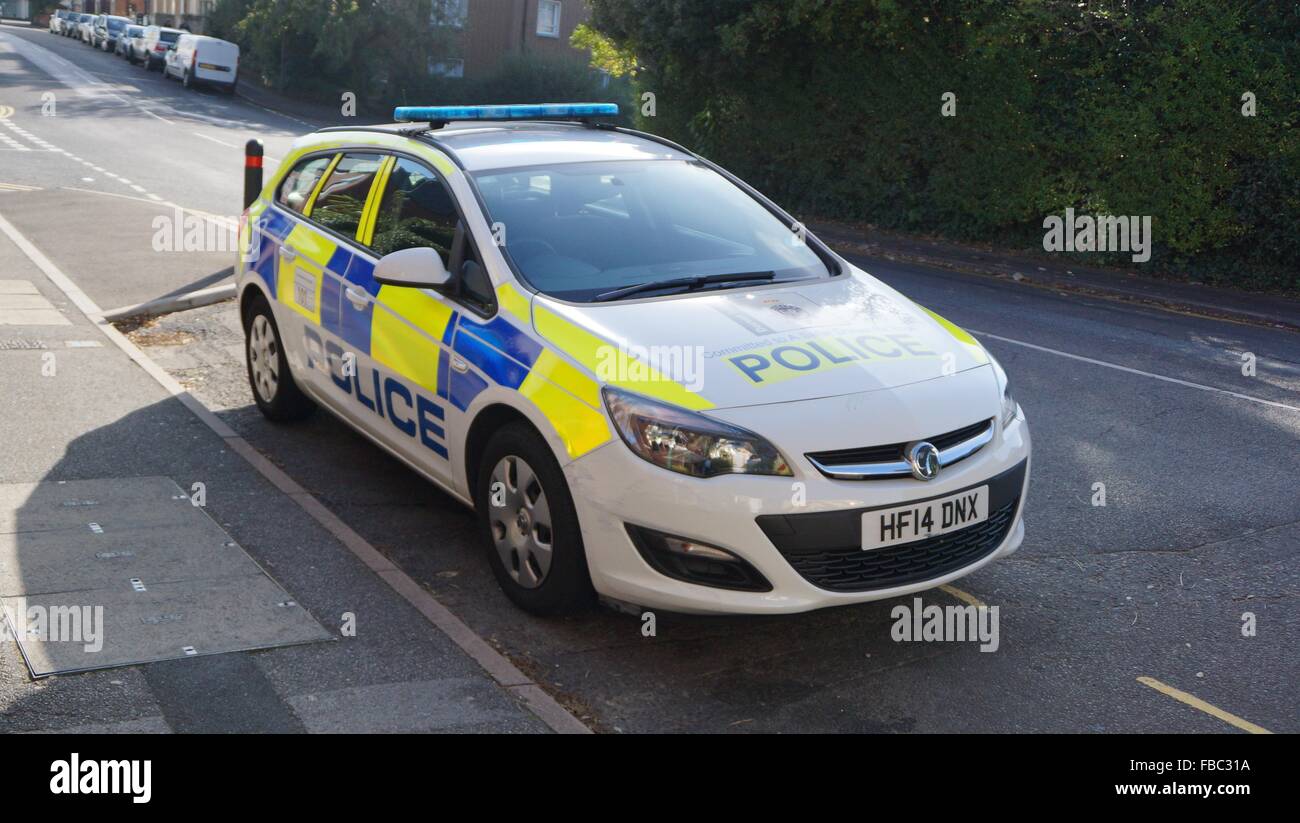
[{"x": 529, "y": 111}]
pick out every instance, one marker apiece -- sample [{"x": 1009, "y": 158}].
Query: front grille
[
  {"x": 879, "y": 462},
  {"x": 894, "y": 451},
  {"x": 853, "y": 569}
]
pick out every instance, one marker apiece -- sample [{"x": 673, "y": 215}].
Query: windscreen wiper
[{"x": 687, "y": 283}]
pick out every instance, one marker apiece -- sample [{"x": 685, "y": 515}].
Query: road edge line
[
  {"x": 1129, "y": 369},
  {"x": 505, "y": 674}
]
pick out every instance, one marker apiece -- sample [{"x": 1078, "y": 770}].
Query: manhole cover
[{"x": 115, "y": 572}]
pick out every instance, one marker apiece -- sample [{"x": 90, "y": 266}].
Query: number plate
[{"x": 917, "y": 521}]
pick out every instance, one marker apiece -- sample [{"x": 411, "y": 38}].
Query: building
[
  {"x": 493, "y": 29},
  {"x": 179, "y": 14},
  {"x": 190, "y": 14},
  {"x": 487, "y": 30}
]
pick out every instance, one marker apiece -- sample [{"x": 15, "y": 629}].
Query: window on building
[
  {"x": 449, "y": 13},
  {"x": 447, "y": 67},
  {"x": 548, "y": 18}
]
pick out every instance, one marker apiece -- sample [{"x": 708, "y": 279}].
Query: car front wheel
[{"x": 527, "y": 515}]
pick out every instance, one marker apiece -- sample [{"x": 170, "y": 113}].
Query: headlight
[
  {"x": 1008, "y": 412},
  {"x": 688, "y": 443}
]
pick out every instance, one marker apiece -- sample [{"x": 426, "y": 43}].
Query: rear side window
[
  {"x": 340, "y": 202},
  {"x": 298, "y": 185}
]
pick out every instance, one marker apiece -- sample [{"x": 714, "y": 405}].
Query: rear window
[
  {"x": 300, "y": 182},
  {"x": 169, "y": 36}
]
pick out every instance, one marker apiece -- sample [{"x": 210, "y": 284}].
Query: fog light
[{"x": 693, "y": 562}]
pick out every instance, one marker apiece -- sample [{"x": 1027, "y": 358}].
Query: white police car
[{"x": 642, "y": 374}]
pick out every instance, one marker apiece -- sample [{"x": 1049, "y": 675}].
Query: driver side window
[{"x": 416, "y": 209}]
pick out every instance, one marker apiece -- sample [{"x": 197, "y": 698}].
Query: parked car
[
  {"x": 57, "y": 20},
  {"x": 86, "y": 28},
  {"x": 106, "y": 31},
  {"x": 71, "y": 24},
  {"x": 202, "y": 60},
  {"x": 152, "y": 49},
  {"x": 368, "y": 263},
  {"x": 122, "y": 47}
]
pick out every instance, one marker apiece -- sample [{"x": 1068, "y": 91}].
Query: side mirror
[{"x": 420, "y": 268}]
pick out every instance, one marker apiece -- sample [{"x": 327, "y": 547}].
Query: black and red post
[{"x": 252, "y": 171}]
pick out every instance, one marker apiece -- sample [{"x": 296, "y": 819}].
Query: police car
[{"x": 647, "y": 379}]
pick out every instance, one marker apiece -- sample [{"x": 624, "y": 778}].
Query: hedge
[{"x": 1127, "y": 108}]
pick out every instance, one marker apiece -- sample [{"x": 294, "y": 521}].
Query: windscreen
[{"x": 580, "y": 230}]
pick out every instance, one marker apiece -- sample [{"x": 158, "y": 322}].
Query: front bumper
[{"x": 800, "y": 533}]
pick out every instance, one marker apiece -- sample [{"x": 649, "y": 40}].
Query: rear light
[{"x": 194, "y": 58}]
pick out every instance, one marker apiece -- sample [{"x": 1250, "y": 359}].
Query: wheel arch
[
  {"x": 247, "y": 297},
  {"x": 487, "y": 421}
]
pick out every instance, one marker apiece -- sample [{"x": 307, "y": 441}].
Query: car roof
[{"x": 482, "y": 146}]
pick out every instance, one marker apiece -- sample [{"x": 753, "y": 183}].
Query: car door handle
[
  {"x": 288, "y": 253},
  {"x": 459, "y": 365},
  {"x": 359, "y": 300}
]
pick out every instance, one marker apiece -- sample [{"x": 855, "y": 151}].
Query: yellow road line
[
  {"x": 965, "y": 597},
  {"x": 17, "y": 187},
  {"x": 6, "y": 112},
  {"x": 1198, "y": 703}
]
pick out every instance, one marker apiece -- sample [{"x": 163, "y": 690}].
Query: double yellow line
[{"x": 6, "y": 112}]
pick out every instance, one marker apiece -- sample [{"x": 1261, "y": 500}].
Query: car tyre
[
  {"x": 185, "y": 79},
  {"x": 534, "y": 543},
  {"x": 274, "y": 389}
]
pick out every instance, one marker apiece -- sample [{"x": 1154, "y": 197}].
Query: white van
[{"x": 201, "y": 59}]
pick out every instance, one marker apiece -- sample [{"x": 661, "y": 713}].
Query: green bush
[{"x": 1132, "y": 108}]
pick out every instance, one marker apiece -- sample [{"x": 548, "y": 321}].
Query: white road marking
[
  {"x": 154, "y": 116},
  {"x": 215, "y": 140},
  {"x": 1139, "y": 372}
]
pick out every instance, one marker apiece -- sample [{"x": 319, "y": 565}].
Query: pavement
[
  {"x": 375, "y": 663},
  {"x": 1107, "y": 612}
]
